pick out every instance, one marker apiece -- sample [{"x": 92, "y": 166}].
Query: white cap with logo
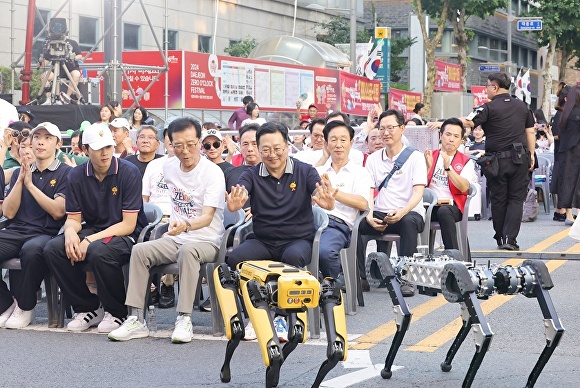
[
  {"x": 97, "y": 136},
  {"x": 120, "y": 122},
  {"x": 211, "y": 132},
  {"x": 50, "y": 128}
]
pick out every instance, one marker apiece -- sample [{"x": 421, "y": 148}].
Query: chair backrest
[
  {"x": 429, "y": 201},
  {"x": 153, "y": 212},
  {"x": 320, "y": 217},
  {"x": 233, "y": 218}
]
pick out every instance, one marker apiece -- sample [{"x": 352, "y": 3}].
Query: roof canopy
[{"x": 289, "y": 49}]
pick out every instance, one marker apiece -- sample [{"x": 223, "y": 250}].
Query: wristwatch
[
  {"x": 447, "y": 169},
  {"x": 188, "y": 227}
]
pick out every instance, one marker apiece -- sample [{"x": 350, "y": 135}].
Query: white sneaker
[
  {"x": 183, "y": 331},
  {"x": 250, "y": 334},
  {"x": 20, "y": 318},
  {"x": 82, "y": 321},
  {"x": 109, "y": 323},
  {"x": 6, "y": 314},
  {"x": 130, "y": 329},
  {"x": 281, "y": 328}
]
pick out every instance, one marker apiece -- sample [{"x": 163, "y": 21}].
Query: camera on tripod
[{"x": 56, "y": 47}]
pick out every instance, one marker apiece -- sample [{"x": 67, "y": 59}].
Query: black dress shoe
[
  {"x": 205, "y": 306},
  {"x": 167, "y": 298},
  {"x": 510, "y": 246},
  {"x": 407, "y": 290},
  {"x": 477, "y": 217}
]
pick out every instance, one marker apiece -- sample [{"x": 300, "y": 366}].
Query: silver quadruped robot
[{"x": 465, "y": 283}]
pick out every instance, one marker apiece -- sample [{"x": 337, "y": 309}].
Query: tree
[
  {"x": 337, "y": 31},
  {"x": 561, "y": 19},
  {"x": 439, "y": 16},
  {"x": 242, "y": 48},
  {"x": 6, "y": 87}
]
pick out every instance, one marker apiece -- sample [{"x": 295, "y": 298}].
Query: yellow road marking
[
  {"x": 549, "y": 241},
  {"x": 388, "y": 329},
  {"x": 449, "y": 331},
  {"x": 573, "y": 249}
]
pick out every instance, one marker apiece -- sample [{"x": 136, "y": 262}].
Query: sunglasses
[
  {"x": 24, "y": 133},
  {"x": 215, "y": 144}
]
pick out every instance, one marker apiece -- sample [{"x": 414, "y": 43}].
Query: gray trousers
[{"x": 189, "y": 258}]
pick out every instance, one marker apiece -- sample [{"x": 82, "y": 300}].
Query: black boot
[{"x": 167, "y": 298}]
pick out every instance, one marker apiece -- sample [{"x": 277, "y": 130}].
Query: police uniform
[{"x": 504, "y": 121}]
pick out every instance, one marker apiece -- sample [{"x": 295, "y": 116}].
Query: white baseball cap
[
  {"x": 50, "y": 127},
  {"x": 97, "y": 136},
  {"x": 211, "y": 132},
  {"x": 120, "y": 122}
]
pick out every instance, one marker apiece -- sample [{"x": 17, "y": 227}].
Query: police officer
[{"x": 509, "y": 131}]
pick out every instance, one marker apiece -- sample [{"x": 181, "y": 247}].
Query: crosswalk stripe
[{"x": 449, "y": 331}]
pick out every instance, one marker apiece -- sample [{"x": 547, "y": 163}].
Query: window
[
  {"x": 131, "y": 36},
  {"x": 39, "y": 23},
  {"x": 171, "y": 39},
  {"x": 203, "y": 44},
  {"x": 87, "y": 32}
]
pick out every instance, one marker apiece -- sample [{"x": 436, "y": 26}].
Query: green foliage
[
  {"x": 242, "y": 48},
  {"x": 34, "y": 82},
  {"x": 338, "y": 32},
  {"x": 398, "y": 63}
]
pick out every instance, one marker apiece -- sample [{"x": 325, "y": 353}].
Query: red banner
[
  {"x": 448, "y": 78},
  {"x": 479, "y": 95},
  {"x": 404, "y": 101},
  {"x": 358, "y": 94}
]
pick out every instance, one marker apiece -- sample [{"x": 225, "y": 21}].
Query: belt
[{"x": 339, "y": 220}]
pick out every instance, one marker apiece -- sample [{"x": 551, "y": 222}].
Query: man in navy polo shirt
[
  {"x": 105, "y": 193},
  {"x": 35, "y": 207},
  {"x": 281, "y": 190}
]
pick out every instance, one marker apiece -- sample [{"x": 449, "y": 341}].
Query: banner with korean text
[
  {"x": 479, "y": 95},
  {"x": 448, "y": 76},
  {"x": 404, "y": 101},
  {"x": 358, "y": 94}
]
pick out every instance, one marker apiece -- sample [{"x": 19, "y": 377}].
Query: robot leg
[
  {"x": 297, "y": 329},
  {"x": 402, "y": 313},
  {"x": 332, "y": 306},
  {"x": 261, "y": 317},
  {"x": 226, "y": 286}
]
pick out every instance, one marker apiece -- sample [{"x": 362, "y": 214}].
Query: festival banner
[
  {"x": 358, "y": 94},
  {"x": 479, "y": 95},
  {"x": 404, "y": 101},
  {"x": 448, "y": 77}
]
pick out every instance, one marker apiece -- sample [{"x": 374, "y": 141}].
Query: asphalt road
[{"x": 42, "y": 357}]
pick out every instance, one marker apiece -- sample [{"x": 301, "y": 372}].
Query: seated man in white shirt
[
  {"x": 318, "y": 155},
  {"x": 398, "y": 206},
  {"x": 354, "y": 187},
  {"x": 449, "y": 175}
]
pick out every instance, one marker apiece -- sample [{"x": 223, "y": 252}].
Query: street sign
[
  {"x": 489, "y": 68},
  {"x": 530, "y": 25}
]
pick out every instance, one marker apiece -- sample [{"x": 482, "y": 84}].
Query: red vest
[{"x": 457, "y": 163}]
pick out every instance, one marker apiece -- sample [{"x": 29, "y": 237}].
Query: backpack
[{"x": 530, "y": 213}]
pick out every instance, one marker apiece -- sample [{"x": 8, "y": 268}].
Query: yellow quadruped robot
[{"x": 268, "y": 285}]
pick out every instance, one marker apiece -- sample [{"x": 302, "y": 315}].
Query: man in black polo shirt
[
  {"x": 509, "y": 134},
  {"x": 35, "y": 207},
  {"x": 105, "y": 193},
  {"x": 281, "y": 190}
]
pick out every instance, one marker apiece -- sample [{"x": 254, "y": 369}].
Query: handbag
[{"x": 489, "y": 165}]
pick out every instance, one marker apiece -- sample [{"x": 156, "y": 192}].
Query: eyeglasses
[
  {"x": 23, "y": 133},
  {"x": 143, "y": 137},
  {"x": 181, "y": 147},
  {"x": 215, "y": 144},
  {"x": 268, "y": 151},
  {"x": 389, "y": 128}
]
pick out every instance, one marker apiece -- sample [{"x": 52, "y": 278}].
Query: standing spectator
[
  {"x": 449, "y": 175},
  {"x": 374, "y": 142},
  {"x": 312, "y": 112},
  {"x": 107, "y": 114},
  {"x": 213, "y": 146},
  {"x": 568, "y": 171},
  {"x": 419, "y": 112},
  {"x": 25, "y": 114},
  {"x": 139, "y": 117},
  {"x": 195, "y": 231},
  {"x": 509, "y": 133},
  {"x": 477, "y": 147},
  {"x": 353, "y": 186},
  {"x": 117, "y": 108},
  {"x": 239, "y": 115},
  {"x": 123, "y": 144},
  {"x": 105, "y": 193},
  {"x": 253, "y": 110},
  {"x": 147, "y": 145},
  {"x": 397, "y": 208},
  {"x": 35, "y": 207},
  {"x": 560, "y": 214}
]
